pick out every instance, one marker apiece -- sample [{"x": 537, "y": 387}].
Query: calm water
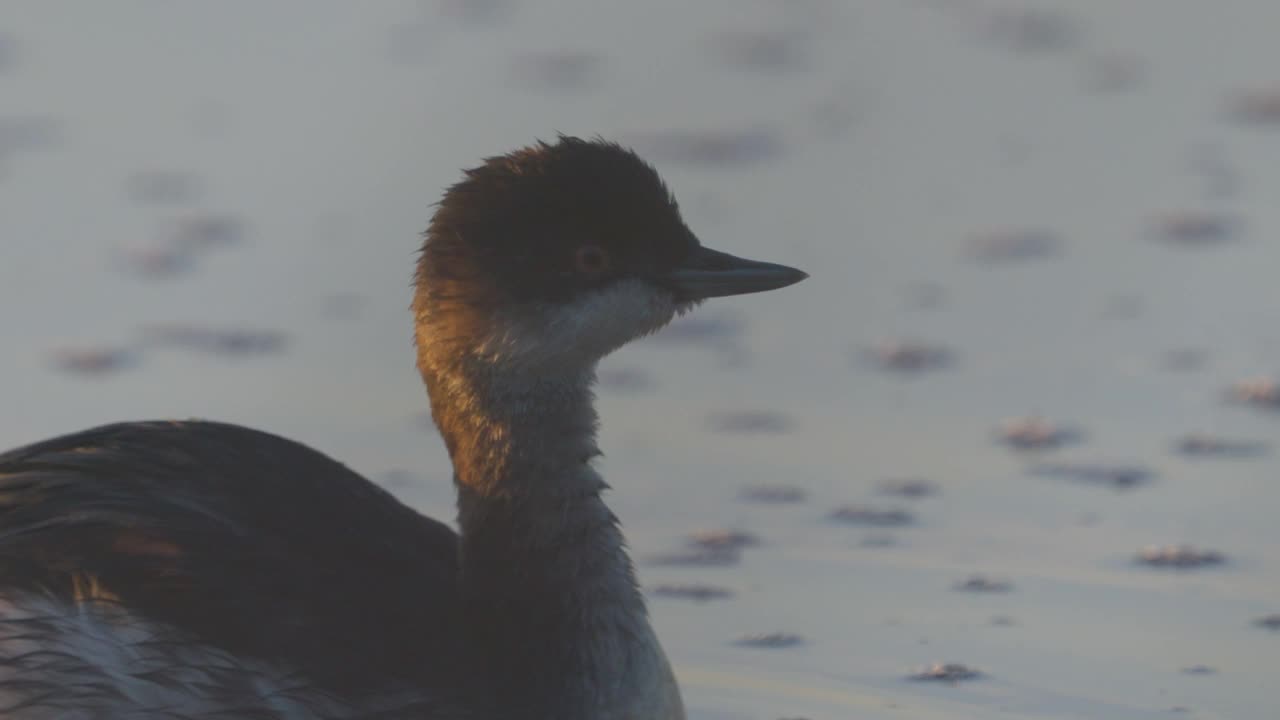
[{"x": 1074, "y": 201}]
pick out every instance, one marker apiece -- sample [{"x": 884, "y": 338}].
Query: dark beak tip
[
  {"x": 791, "y": 276},
  {"x": 710, "y": 273}
]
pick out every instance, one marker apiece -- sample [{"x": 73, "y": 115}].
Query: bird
[{"x": 197, "y": 569}]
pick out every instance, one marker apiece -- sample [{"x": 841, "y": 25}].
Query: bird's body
[
  {"x": 175, "y": 569},
  {"x": 200, "y": 570}
]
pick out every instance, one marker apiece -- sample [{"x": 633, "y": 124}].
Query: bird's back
[{"x": 193, "y": 569}]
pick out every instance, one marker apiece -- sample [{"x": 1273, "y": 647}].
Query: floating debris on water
[
  {"x": 217, "y": 341},
  {"x": 907, "y": 356},
  {"x": 983, "y": 584},
  {"x": 477, "y": 12},
  {"x": 1190, "y": 228},
  {"x": 1013, "y": 245},
  {"x": 1269, "y": 622},
  {"x": 1202, "y": 445},
  {"x": 1114, "y": 73},
  {"x": 770, "y": 641},
  {"x": 710, "y": 148},
  {"x": 772, "y": 494},
  {"x": 1036, "y": 433},
  {"x": 872, "y": 516},
  {"x": 94, "y": 361},
  {"x": 717, "y": 557},
  {"x": 751, "y": 422},
  {"x": 762, "y": 50},
  {"x": 202, "y": 231},
  {"x": 1003, "y": 621},
  {"x": 723, "y": 539},
  {"x": 163, "y": 187},
  {"x": 694, "y": 592},
  {"x": 1119, "y": 477},
  {"x": 1184, "y": 360},
  {"x": 1199, "y": 670},
  {"x": 908, "y": 487},
  {"x": 1178, "y": 557},
  {"x": 28, "y": 132},
  {"x": 1256, "y": 107},
  {"x": 156, "y": 260},
  {"x": 950, "y": 673},
  {"x": 625, "y": 379},
  {"x": 178, "y": 246},
  {"x": 558, "y": 70},
  {"x": 1031, "y": 30},
  {"x": 878, "y": 540},
  {"x": 1263, "y": 392}
]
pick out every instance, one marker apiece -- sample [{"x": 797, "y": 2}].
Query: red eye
[{"x": 591, "y": 260}]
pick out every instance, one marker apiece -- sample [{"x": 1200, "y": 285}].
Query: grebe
[{"x": 200, "y": 570}]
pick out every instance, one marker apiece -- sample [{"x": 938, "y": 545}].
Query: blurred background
[{"x": 1010, "y": 451}]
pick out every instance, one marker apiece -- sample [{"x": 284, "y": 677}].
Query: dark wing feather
[{"x": 248, "y": 541}]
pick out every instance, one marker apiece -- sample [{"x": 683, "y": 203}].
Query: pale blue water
[{"x": 879, "y": 138}]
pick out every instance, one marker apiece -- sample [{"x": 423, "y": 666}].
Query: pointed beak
[{"x": 708, "y": 273}]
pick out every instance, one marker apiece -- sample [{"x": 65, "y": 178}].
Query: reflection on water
[{"x": 1071, "y": 214}]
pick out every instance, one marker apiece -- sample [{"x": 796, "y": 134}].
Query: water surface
[{"x": 1006, "y": 182}]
